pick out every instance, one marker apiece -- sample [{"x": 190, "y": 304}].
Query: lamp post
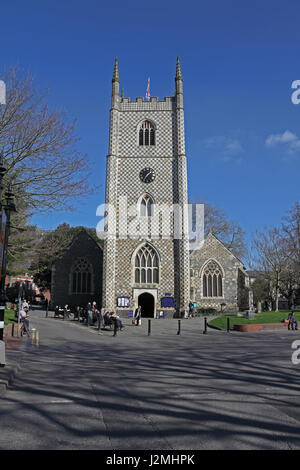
[
  {"x": 20, "y": 295},
  {"x": 2, "y": 301},
  {"x": 5, "y": 211}
]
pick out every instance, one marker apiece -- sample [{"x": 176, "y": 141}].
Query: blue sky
[{"x": 238, "y": 61}]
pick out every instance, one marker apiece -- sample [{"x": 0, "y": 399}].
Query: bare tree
[
  {"x": 289, "y": 283},
  {"x": 271, "y": 258},
  {"x": 39, "y": 147},
  {"x": 291, "y": 230},
  {"x": 228, "y": 231}
]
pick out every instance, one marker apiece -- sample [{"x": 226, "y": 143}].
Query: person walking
[
  {"x": 292, "y": 321},
  {"x": 191, "y": 309},
  {"x": 99, "y": 315},
  {"x": 138, "y": 316},
  {"x": 22, "y": 315},
  {"x": 90, "y": 314},
  {"x": 116, "y": 319},
  {"x": 94, "y": 308},
  {"x": 67, "y": 311},
  {"x": 77, "y": 313}
]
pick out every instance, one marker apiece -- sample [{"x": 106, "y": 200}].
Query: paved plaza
[{"x": 80, "y": 390}]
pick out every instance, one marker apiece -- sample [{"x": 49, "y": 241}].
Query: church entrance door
[{"x": 146, "y": 301}]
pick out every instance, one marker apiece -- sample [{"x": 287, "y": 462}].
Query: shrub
[{"x": 206, "y": 310}]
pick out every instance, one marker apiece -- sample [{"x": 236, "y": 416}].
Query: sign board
[
  {"x": 123, "y": 301},
  {"x": 167, "y": 302}
]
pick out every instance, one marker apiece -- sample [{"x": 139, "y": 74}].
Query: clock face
[{"x": 147, "y": 175}]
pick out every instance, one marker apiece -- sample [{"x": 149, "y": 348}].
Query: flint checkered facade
[{"x": 126, "y": 232}]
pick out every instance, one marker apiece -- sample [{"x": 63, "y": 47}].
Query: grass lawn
[
  {"x": 9, "y": 317},
  {"x": 265, "y": 317}
]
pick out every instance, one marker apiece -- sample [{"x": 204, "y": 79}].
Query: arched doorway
[{"x": 146, "y": 301}]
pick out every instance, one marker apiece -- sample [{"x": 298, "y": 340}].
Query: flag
[{"x": 148, "y": 90}]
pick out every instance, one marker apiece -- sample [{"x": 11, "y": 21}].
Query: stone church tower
[{"x": 146, "y": 246}]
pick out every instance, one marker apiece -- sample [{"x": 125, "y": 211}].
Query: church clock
[{"x": 147, "y": 175}]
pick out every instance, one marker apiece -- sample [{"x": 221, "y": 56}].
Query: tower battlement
[{"x": 141, "y": 104}]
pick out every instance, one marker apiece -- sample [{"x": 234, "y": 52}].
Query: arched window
[
  {"x": 81, "y": 274},
  {"x": 212, "y": 280},
  {"x": 146, "y": 206},
  {"x": 146, "y": 134},
  {"x": 146, "y": 266}
]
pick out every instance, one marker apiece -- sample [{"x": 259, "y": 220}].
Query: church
[{"x": 147, "y": 258}]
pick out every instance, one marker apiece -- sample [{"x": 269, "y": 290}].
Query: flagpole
[{"x": 148, "y": 90}]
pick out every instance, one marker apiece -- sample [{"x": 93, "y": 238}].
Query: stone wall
[
  {"x": 232, "y": 269},
  {"x": 83, "y": 246}
]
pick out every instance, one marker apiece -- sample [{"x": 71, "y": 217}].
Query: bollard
[
  {"x": 205, "y": 325},
  {"x": 2, "y": 311},
  {"x": 13, "y": 329},
  {"x": 33, "y": 333},
  {"x": 115, "y": 328},
  {"x": 179, "y": 327},
  {"x": 228, "y": 325},
  {"x": 35, "y": 337},
  {"x": 149, "y": 327},
  {"x": 2, "y": 354}
]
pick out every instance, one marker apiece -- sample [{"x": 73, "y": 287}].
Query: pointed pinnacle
[
  {"x": 116, "y": 77},
  {"x": 178, "y": 70}
]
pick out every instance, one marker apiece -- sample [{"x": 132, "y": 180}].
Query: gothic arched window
[
  {"x": 146, "y": 266},
  {"x": 146, "y": 134},
  {"x": 212, "y": 280},
  {"x": 146, "y": 206},
  {"x": 82, "y": 272}
]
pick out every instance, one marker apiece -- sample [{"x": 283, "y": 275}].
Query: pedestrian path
[
  {"x": 14, "y": 347},
  {"x": 219, "y": 390}
]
